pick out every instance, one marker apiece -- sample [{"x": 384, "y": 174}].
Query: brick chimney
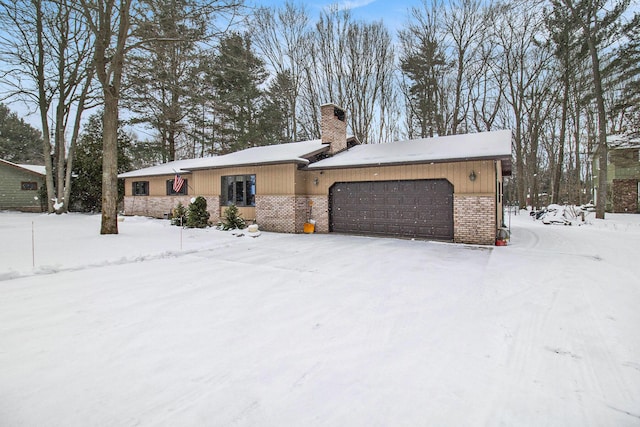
[{"x": 333, "y": 128}]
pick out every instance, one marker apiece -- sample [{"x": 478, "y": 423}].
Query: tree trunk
[
  {"x": 110, "y": 165},
  {"x": 603, "y": 151},
  {"x": 60, "y": 156},
  {"x": 43, "y": 106},
  {"x": 563, "y": 131}
]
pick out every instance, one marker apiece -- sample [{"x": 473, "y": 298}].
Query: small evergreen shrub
[
  {"x": 179, "y": 215},
  {"x": 197, "y": 215},
  {"x": 232, "y": 219}
]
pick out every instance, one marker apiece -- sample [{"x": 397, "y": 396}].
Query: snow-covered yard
[{"x": 163, "y": 326}]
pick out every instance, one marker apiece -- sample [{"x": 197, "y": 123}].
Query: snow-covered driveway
[{"x": 152, "y": 327}]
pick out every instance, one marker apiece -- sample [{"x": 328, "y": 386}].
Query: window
[
  {"x": 172, "y": 192},
  {"x": 239, "y": 190},
  {"x": 29, "y": 186},
  {"x": 140, "y": 188}
]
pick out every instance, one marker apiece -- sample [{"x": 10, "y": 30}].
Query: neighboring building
[
  {"x": 447, "y": 188},
  {"x": 623, "y": 174},
  {"x": 20, "y": 186}
]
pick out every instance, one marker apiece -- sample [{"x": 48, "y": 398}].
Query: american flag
[{"x": 178, "y": 181}]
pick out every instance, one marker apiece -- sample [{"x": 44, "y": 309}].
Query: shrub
[
  {"x": 179, "y": 215},
  {"x": 232, "y": 218},
  {"x": 197, "y": 215}
]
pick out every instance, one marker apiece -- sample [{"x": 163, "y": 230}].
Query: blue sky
[{"x": 393, "y": 13}]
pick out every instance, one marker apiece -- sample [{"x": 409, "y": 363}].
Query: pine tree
[
  {"x": 197, "y": 215},
  {"x": 179, "y": 215},
  {"x": 162, "y": 76},
  {"x": 236, "y": 75},
  {"x": 19, "y": 142},
  {"x": 232, "y": 218},
  {"x": 86, "y": 187}
]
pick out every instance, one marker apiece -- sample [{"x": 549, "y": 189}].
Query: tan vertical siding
[
  {"x": 286, "y": 179},
  {"x": 456, "y": 173},
  {"x": 270, "y": 179}
]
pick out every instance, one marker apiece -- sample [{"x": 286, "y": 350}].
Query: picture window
[{"x": 239, "y": 190}]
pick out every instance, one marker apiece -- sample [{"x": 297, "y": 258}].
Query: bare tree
[
  {"x": 350, "y": 63},
  {"x": 522, "y": 62},
  {"x": 598, "y": 23},
  {"x": 110, "y": 23},
  {"x": 281, "y": 37},
  {"x": 464, "y": 25},
  {"x": 48, "y": 47}
]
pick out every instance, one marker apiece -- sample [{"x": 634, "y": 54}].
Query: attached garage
[
  {"x": 446, "y": 188},
  {"x": 412, "y": 208}
]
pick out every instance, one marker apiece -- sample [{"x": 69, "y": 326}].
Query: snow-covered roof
[
  {"x": 294, "y": 152},
  {"x": 484, "y": 145},
  {"x": 621, "y": 142},
  {"x": 40, "y": 170},
  {"x": 169, "y": 168},
  {"x": 35, "y": 168},
  {"x": 473, "y": 146}
]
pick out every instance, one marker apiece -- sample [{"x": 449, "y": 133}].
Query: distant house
[
  {"x": 20, "y": 186},
  {"x": 447, "y": 188},
  {"x": 623, "y": 174}
]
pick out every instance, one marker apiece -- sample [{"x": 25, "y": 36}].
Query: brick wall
[
  {"x": 157, "y": 207},
  {"x": 319, "y": 213},
  {"x": 333, "y": 130},
  {"x": 474, "y": 219},
  {"x": 625, "y": 195},
  {"x": 276, "y": 213}
]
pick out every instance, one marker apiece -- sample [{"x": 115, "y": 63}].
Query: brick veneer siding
[
  {"x": 474, "y": 219},
  {"x": 276, "y": 213},
  {"x": 625, "y": 195},
  {"x": 334, "y": 131},
  {"x": 158, "y": 207},
  {"x": 319, "y": 213}
]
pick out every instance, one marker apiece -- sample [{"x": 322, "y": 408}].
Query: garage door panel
[{"x": 415, "y": 208}]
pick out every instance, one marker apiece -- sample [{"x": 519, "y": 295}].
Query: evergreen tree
[
  {"x": 278, "y": 110},
  {"x": 86, "y": 190},
  {"x": 236, "y": 75},
  {"x": 424, "y": 66},
  {"x": 197, "y": 215},
  {"x": 163, "y": 75},
  {"x": 179, "y": 215},
  {"x": 19, "y": 142},
  {"x": 232, "y": 218},
  {"x": 626, "y": 67}
]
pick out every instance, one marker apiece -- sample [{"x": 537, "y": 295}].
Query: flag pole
[{"x": 33, "y": 245}]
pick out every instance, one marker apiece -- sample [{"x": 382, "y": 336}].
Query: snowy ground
[{"x": 162, "y": 327}]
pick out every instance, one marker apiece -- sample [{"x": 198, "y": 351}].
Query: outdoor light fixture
[
  {"x": 315, "y": 181},
  {"x": 472, "y": 176}
]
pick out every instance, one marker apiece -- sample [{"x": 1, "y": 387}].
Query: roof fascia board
[
  {"x": 15, "y": 166},
  {"x": 414, "y": 162}
]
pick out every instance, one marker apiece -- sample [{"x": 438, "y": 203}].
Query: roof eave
[
  {"x": 401, "y": 163},
  {"x": 239, "y": 165},
  {"x": 16, "y": 166}
]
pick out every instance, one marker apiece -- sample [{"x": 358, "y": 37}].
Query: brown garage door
[{"x": 417, "y": 208}]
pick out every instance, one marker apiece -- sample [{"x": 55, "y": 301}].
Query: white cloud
[{"x": 352, "y": 4}]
